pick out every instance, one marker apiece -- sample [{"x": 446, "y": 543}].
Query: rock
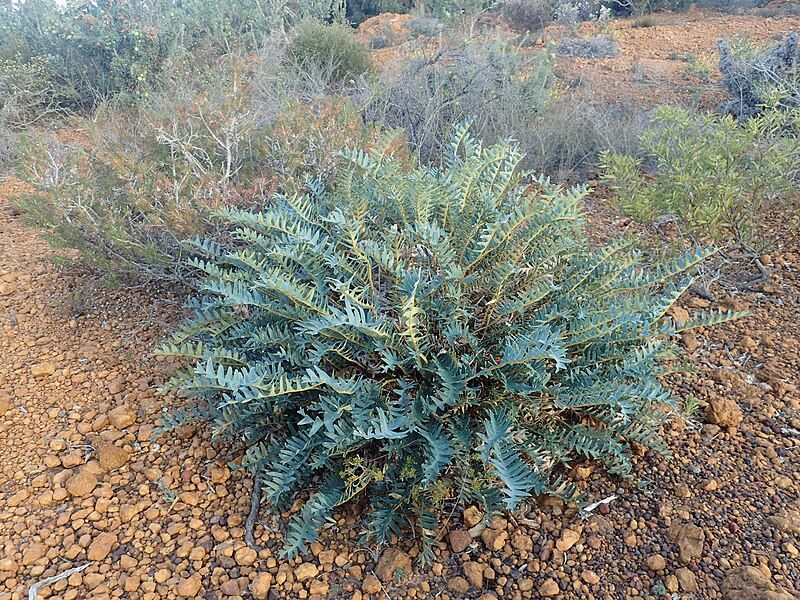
[
  {"x": 473, "y": 571},
  {"x": 101, "y": 546},
  {"x": 751, "y": 583},
  {"x": 656, "y": 562},
  {"x": 230, "y": 587},
  {"x": 689, "y": 539},
  {"x": 590, "y": 577},
  {"x": 522, "y": 543},
  {"x": 686, "y": 579},
  {"x": 472, "y": 516},
  {"x": 43, "y": 369},
  {"x": 260, "y": 586},
  {"x": 671, "y": 583},
  {"x": 460, "y": 540},
  {"x": 371, "y": 584},
  {"x": 5, "y": 289},
  {"x": 690, "y": 341},
  {"x": 7, "y": 565},
  {"x": 319, "y": 588},
  {"x": 680, "y": 315},
  {"x": 188, "y": 588},
  {"x": 549, "y": 588},
  {"x": 110, "y": 456},
  {"x": 81, "y": 483},
  {"x": 33, "y": 553},
  {"x": 246, "y": 556},
  {"x": 458, "y": 585},
  {"x": 305, "y": 571},
  {"x": 786, "y": 522},
  {"x": 5, "y": 405},
  {"x": 723, "y": 412},
  {"x": 394, "y": 564},
  {"x": 568, "y": 539},
  {"x": 122, "y": 417},
  {"x": 495, "y": 539}
]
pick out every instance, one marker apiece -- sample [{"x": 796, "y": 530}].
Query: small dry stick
[
  {"x": 33, "y": 593},
  {"x": 255, "y": 503}
]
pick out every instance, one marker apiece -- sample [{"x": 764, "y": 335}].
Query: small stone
[
  {"x": 689, "y": 539},
  {"x": 686, "y": 579},
  {"x": 188, "y": 588},
  {"x": 230, "y": 588},
  {"x": 458, "y": 584},
  {"x": 246, "y": 556},
  {"x": 305, "y": 571},
  {"x": 671, "y": 583},
  {"x": 751, "y": 583},
  {"x": 82, "y": 483},
  {"x": 472, "y": 516},
  {"x": 549, "y": 588},
  {"x": 261, "y": 585},
  {"x": 590, "y": 577},
  {"x": 460, "y": 540},
  {"x": 371, "y": 584},
  {"x": 495, "y": 539},
  {"x": 473, "y": 571},
  {"x": 723, "y": 412},
  {"x": 522, "y": 543},
  {"x": 319, "y": 588},
  {"x": 5, "y": 405},
  {"x": 568, "y": 539},
  {"x": 5, "y": 289},
  {"x": 656, "y": 562},
  {"x": 394, "y": 564},
  {"x": 101, "y": 546},
  {"x": 110, "y": 456},
  {"x": 33, "y": 553},
  {"x": 122, "y": 417},
  {"x": 43, "y": 369}
]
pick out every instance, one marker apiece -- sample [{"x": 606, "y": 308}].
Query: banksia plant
[{"x": 426, "y": 337}]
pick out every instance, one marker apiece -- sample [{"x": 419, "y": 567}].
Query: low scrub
[
  {"x": 500, "y": 90},
  {"x": 759, "y": 77},
  {"x": 420, "y": 339},
  {"x": 141, "y": 181},
  {"x": 717, "y": 176},
  {"x": 527, "y": 16},
  {"x": 332, "y": 49}
]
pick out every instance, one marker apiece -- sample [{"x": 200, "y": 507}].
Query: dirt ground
[{"x": 84, "y": 484}]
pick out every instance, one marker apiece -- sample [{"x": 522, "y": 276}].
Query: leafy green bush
[
  {"x": 332, "y": 49},
  {"x": 717, "y": 176},
  {"x": 425, "y": 337}
]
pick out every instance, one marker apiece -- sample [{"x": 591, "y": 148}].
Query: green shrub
[
  {"x": 330, "y": 49},
  {"x": 717, "y": 176},
  {"x": 424, "y": 337}
]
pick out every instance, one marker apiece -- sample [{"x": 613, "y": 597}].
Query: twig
[
  {"x": 33, "y": 593},
  {"x": 255, "y": 503}
]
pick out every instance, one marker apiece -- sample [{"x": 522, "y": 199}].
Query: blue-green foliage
[{"x": 428, "y": 336}]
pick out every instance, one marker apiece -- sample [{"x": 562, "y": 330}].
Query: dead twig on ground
[{"x": 33, "y": 592}]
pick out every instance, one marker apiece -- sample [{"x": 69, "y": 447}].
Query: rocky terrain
[{"x": 84, "y": 484}]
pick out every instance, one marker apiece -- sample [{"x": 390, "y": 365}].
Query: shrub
[
  {"x": 599, "y": 46},
  {"x": 717, "y": 176},
  {"x": 756, "y": 77},
  {"x": 527, "y": 16},
  {"x": 426, "y": 337},
  {"x": 499, "y": 89},
  {"x": 332, "y": 49},
  {"x": 144, "y": 180}
]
